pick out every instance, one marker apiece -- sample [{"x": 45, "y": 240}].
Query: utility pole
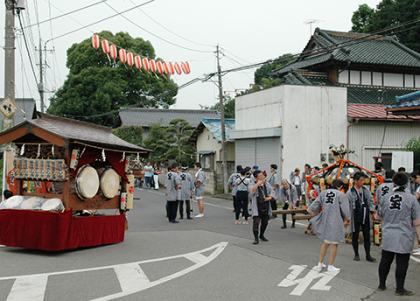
[
  {"x": 9, "y": 57},
  {"x": 222, "y": 120},
  {"x": 41, "y": 83}
]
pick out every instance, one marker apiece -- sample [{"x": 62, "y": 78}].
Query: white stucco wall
[
  {"x": 259, "y": 110},
  {"x": 314, "y": 118},
  {"x": 311, "y": 117}
]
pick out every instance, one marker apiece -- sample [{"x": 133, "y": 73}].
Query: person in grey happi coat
[
  {"x": 173, "y": 184},
  {"x": 200, "y": 185},
  {"x": 289, "y": 197},
  {"x": 400, "y": 215},
  {"x": 261, "y": 195},
  {"x": 362, "y": 206},
  {"x": 386, "y": 187},
  {"x": 329, "y": 224},
  {"x": 187, "y": 189},
  {"x": 275, "y": 184},
  {"x": 231, "y": 182}
]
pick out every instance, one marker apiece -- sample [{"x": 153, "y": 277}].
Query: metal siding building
[{"x": 365, "y": 138}]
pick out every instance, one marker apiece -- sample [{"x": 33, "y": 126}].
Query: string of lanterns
[{"x": 130, "y": 59}]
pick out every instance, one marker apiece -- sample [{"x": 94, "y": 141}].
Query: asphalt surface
[{"x": 207, "y": 258}]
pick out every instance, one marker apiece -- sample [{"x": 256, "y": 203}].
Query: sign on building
[{"x": 8, "y": 107}]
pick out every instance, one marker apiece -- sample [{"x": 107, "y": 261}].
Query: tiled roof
[
  {"x": 26, "y": 105},
  {"x": 375, "y": 95},
  {"x": 373, "y": 112},
  {"x": 347, "y": 47},
  {"x": 307, "y": 78},
  {"x": 78, "y": 131},
  {"x": 145, "y": 117},
  {"x": 407, "y": 104},
  {"x": 215, "y": 127}
]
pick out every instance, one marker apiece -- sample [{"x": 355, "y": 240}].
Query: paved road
[{"x": 207, "y": 258}]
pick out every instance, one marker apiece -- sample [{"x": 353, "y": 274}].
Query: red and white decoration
[
  {"x": 130, "y": 59},
  {"x": 140, "y": 62},
  {"x": 137, "y": 61},
  {"x": 113, "y": 51},
  {"x": 95, "y": 41},
  {"x": 105, "y": 46},
  {"x": 123, "y": 55}
]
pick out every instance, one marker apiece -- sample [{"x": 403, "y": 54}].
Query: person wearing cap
[
  {"x": 400, "y": 216},
  {"x": 329, "y": 224},
  {"x": 261, "y": 193},
  {"x": 200, "y": 184},
  {"x": 289, "y": 197},
  {"x": 275, "y": 184},
  {"x": 186, "y": 191},
  {"x": 231, "y": 182}
]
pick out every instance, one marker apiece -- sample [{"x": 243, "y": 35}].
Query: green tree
[
  {"x": 96, "y": 84},
  {"x": 158, "y": 140},
  {"x": 390, "y": 13},
  {"x": 361, "y": 18},
  {"x": 181, "y": 151},
  {"x": 414, "y": 145},
  {"x": 263, "y": 76},
  {"x": 228, "y": 106},
  {"x": 132, "y": 134},
  {"x": 170, "y": 143}
]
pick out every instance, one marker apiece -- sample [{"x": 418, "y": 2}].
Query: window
[{"x": 205, "y": 161}]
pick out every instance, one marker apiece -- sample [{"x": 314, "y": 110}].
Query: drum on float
[
  {"x": 87, "y": 182},
  {"x": 110, "y": 183}
]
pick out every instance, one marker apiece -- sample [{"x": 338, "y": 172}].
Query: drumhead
[
  {"x": 87, "y": 182},
  {"x": 110, "y": 183}
]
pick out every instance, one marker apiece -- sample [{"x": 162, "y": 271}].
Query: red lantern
[
  {"x": 105, "y": 46},
  {"x": 159, "y": 66},
  {"x": 130, "y": 59},
  {"x": 186, "y": 68},
  {"x": 171, "y": 68},
  {"x": 137, "y": 60},
  {"x": 152, "y": 65},
  {"x": 113, "y": 51},
  {"x": 145, "y": 64},
  {"x": 95, "y": 41},
  {"x": 166, "y": 68},
  {"x": 177, "y": 68},
  {"x": 123, "y": 56}
]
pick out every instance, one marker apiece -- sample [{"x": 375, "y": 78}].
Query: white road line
[
  {"x": 131, "y": 277},
  {"x": 30, "y": 288},
  {"x": 414, "y": 258}
]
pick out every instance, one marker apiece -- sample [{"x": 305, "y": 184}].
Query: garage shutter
[
  {"x": 245, "y": 152},
  {"x": 268, "y": 152}
]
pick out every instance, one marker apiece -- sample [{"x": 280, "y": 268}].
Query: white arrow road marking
[
  {"x": 303, "y": 283},
  {"x": 30, "y": 288},
  {"x": 131, "y": 277}
]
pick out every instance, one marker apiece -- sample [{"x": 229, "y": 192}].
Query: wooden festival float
[
  {"x": 343, "y": 170},
  {"x": 88, "y": 169}
]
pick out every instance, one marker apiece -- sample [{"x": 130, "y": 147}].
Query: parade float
[
  {"x": 88, "y": 170},
  {"x": 343, "y": 170}
]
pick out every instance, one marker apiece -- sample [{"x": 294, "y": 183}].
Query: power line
[
  {"x": 135, "y": 24},
  {"x": 94, "y": 23},
  {"x": 171, "y": 30},
  {"x": 27, "y": 49},
  {"x": 57, "y": 17}
]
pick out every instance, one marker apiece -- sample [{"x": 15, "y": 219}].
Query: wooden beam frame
[
  {"x": 54, "y": 139},
  {"x": 13, "y": 135}
]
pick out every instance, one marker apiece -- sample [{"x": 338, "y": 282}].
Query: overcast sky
[{"x": 247, "y": 32}]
